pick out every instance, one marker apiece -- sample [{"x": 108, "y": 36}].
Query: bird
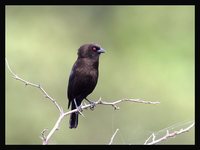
[{"x": 83, "y": 78}]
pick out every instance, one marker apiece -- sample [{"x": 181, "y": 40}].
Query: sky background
[{"x": 149, "y": 55}]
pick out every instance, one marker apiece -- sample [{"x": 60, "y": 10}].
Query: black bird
[{"x": 83, "y": 78}]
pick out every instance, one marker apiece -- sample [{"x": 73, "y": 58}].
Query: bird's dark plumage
[{"x": 83, "y": 77}]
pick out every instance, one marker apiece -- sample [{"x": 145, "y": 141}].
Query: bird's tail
[{"x": 73, "y": 121}]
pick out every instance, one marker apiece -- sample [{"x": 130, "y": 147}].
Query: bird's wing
[{"x": 80, "y": 85}]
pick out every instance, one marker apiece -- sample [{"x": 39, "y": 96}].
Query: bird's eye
[{"x": 94, "y": 48}]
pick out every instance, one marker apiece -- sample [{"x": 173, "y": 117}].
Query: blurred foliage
[{"x": 149, "y": 55}]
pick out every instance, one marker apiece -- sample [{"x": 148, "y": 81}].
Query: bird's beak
[{"x": 101, "y": 50}]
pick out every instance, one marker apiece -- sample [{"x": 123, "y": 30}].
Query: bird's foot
[
  {"x": 79, "y": 108},
  {"x": 92, "y": 104}
]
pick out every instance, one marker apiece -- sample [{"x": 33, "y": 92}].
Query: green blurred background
[{"x": 149, "y": 55}]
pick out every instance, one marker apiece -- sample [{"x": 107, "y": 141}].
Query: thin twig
[
  {"x": 167, "y": 135},
  {"x": 43, "y": 137},
  {"x": 15, "y": 76},
  {"x": 126, "y": 99},
  {"x": 112, "y": 138}
]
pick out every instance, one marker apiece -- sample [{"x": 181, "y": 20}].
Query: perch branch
[
  {"x": 44, "y": 138},
  {"x": 166, "y": 136},
  {"x": 62, "y": 115},
  {"x": 126, "y": 99}
]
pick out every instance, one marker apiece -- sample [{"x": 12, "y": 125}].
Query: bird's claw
[
  {"x": 79, "y": 109},
  {"x": 92, "y": 105}
]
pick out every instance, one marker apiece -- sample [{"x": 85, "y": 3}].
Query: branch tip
[
  {"x": 167, "y": 135},
  {"x": 112, "y": 138}
]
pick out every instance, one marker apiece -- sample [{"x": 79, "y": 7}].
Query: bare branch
[
  {"x": 166, "y": 136},
  {"x": 56, "y": 127},
  {"x": 126, "y": 99},
  {"x": 111, "y": 140},
  {"x": 45, "y": 139},
  {"x": 90, "y": 105},
  {"x": 36, "y": 86}
]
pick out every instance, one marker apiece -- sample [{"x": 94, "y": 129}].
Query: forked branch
[{"x": 45, "y": 138}]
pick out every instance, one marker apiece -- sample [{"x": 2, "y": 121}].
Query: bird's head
[{"x": 90, "y": 51}]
